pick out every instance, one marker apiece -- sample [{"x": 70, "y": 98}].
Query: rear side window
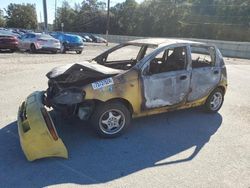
[
  {"x": 202, "y": 56},
  {"x": 73, "y": 39},
  {"x": 45, "y": 37}
]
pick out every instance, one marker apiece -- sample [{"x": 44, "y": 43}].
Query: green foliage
[
  {"x": 21, "y": 16},
  {"x": 211, "y": 19},
  {"x": 2, "y": 21},
  {"x": 90, "y": 16}
]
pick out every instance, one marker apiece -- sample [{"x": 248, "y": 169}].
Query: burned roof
[{"x": 161, "y": 41}]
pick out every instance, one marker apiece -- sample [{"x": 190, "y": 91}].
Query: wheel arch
[
  {"x": 123, "y": 101},
  {"x": 32, "y": 44},
  {"x": 222, "y": 88}
]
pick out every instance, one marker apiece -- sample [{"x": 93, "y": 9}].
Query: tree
[
  {"x": 2, "y": 21},
  {"x": 125, "y": 17},
  {"x": 21, "y": 16},
  {"x": 65, "y": 15},
  {"x": 211, "y": 19},
  {"x": 90, "y": 16}
]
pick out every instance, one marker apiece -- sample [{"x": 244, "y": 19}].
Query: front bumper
[
  {"x": 37, "y": 133},
  {"x": 70, "y": 47}
]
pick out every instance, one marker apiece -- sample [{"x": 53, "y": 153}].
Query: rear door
[
  {"x": 167, "y": 79},
  {"x": 205, "y": 71}
]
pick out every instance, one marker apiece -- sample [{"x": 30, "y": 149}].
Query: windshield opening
[{"x": 124, "y": 56}]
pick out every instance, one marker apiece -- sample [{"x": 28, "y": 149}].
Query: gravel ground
[{"x": 186, "y": 148}]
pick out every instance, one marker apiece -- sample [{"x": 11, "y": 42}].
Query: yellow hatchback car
[{"x": 137, "y": 78}]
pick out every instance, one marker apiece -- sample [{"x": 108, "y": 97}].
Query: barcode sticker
[{"x": 102, "y": 83}]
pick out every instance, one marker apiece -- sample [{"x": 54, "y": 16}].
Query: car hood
[{"x": 83, "y": 71}]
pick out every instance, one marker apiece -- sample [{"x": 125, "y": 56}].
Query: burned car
[{"x": 134, "y": 79}]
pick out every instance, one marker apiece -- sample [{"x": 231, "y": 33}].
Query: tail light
[
  {"x": 8, "y": 38},
  {"x": 49, "y": 124}
]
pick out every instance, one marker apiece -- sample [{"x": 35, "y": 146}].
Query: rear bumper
[
  {"x": 44, "y": 47},
  {"x": 11, "y": 46},
  {"x": 37, "y": 133}
]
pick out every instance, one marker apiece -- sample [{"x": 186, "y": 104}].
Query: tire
[
  {"x": 63, "y": 49},
  {"x": 54, "y": 52},
  {"x": 79, "y": 52},
  {"x": 32, "y": 48},
  {"x": 110, "y": 119},
  {"x": 12, "y": 51},
  {"x": 214, "y": 101}
]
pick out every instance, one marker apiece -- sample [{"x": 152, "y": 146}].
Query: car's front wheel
[
  {"x": 54, "y": 51},
  {"x": 32, "y": 48},
  {"x": 214, "y": 101},
  {"x": 79, "y": 51},
  {"x": 110, "y": 119}
]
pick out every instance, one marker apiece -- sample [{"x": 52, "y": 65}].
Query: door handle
[
  {"x": 216, "y": 72},
  {"x": 183, "y": 77}
]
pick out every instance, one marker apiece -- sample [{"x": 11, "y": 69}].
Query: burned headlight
[{"x": 69, "y": 96}]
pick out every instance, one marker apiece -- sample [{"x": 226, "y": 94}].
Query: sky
[{"x": 50, "y": 6}]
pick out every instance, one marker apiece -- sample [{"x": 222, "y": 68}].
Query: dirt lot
[{"x": 186, "y": 148}]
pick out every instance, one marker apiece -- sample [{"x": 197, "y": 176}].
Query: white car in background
[{"x": 39, "y": 42}]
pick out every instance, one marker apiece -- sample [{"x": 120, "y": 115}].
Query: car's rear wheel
[
  {"x": 214, "y": 101},
  {"x": 79, "y": 51},
  {"x": 110, "y": 119},
  {"x": 32, "y": 48},
  {"x": 63, "y": 49}
]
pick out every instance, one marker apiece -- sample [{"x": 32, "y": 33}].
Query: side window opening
[
  {"x": 202, "y": 56},
  {"x": 171, "y": 59}
]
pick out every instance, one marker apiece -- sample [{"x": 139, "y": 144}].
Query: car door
[
  {"x": 22, "y": 41},
  {"x": 206, "y": 72},
  {"x": 166, "y": 78},
  {"x": 26, "y": 42},
  {"x": 31, "y": 39}
]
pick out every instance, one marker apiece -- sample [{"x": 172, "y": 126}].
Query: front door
[{"x": 166, "y": 81}]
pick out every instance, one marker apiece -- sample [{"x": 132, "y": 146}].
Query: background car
[
  {"x": 8, "y": 41},
  {"x": 39, "y": 42},
  {"x": 100, "y": 40},
  {"x": 97, "y": 39},
  {"x": 83, "y": 39},
  {"x": 87, "y": 38},
  {"x": 69, "y": 42}
]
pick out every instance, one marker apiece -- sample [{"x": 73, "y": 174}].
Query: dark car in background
[
  {"x": 8, "y": 42},
  {"x": 69, "y": 42},
  {"x": 97, "y": 39},
  {"x": 87, "y": 38}
]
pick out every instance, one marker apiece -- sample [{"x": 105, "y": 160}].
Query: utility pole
[
  {"x": 55, "y": 14},
  {"x": 45, "y": 16},
  {"x": 107, "y": 27}
]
